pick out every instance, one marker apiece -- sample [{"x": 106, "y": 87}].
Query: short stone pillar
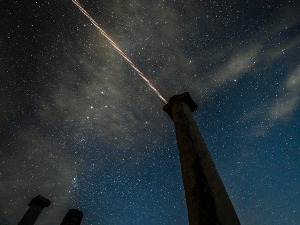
[
  {"x": 37, "y": 204},
  {"x": 207, "y": 200},
  {"x": 73, "y": 217}
]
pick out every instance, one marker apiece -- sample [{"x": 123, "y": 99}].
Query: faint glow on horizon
[{"x": 142, "y": 75}]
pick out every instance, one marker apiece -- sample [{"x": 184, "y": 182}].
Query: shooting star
[{"x": 140, "y": 73}]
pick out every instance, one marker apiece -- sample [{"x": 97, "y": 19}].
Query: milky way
[{"x": 80, "y": 128}]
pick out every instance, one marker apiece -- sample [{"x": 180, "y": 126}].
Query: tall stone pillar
[
  {"x": 207, "y": 200},
  {"x": 37, "y": 204},
  {"x": 73, "y": 217}
]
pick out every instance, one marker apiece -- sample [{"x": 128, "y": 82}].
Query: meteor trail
[{"x": 119, "y": 50}]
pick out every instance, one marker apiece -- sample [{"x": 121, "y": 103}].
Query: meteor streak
[{"x": 142, "y": 75}]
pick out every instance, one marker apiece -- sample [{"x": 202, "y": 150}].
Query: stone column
[
  {"x": 207, "y": 200},
  {"x": 73, "y": 217},
  {"x": 37, "y": 204}
]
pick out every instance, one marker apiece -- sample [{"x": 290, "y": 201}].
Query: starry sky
[{"x": 81, "y": 128}]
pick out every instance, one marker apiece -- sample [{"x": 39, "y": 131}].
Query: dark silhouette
[
  {"x": 73, "y": 217},
  {"x": 206, "y": 197},
  {"x": 37, "y": 204}
]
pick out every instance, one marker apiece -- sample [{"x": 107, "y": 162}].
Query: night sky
[{"x": 81, "y": 128}]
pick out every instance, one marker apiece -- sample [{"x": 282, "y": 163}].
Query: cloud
[
  {"x": 97, "y": 101},
  {"x": 282, "y": 107},
  {"x": 289, "y": 45},
  {"x": 237, "y": 66}
]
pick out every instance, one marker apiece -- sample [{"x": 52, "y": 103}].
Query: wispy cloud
[
  {"x": 282, "y": 107},
  {"x": 279, "y": 109},
  {"x": 282, "y": 49},
  {"x": 238, "y": 65}
]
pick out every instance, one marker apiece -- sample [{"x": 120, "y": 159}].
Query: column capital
[
  {"x": 40, "y": 200},
  {"x": 184, "y": 97},
  {"x": 73, "y": 216}
]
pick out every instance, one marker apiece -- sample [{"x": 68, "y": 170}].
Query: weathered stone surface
[
  {"x": 37, "y": 204},
  {"x": 207, "y": 200}
]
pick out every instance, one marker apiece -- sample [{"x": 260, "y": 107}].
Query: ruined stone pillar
[
  {"x": 37, "y": 204},
  {"x": 73, "y": 217},
  {"x": 207, "y": 200}
]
